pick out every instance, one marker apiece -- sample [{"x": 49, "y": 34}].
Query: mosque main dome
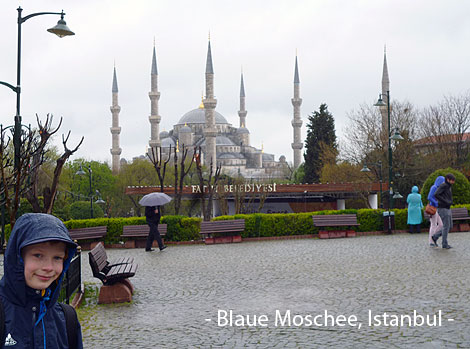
[{"x": 198, "y": 116}]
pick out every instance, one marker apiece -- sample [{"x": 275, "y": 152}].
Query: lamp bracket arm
[
  {"x": 24, "y": 19},
  {"x": 15, "y": 89}
]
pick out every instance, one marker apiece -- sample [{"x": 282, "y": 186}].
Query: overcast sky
[{"x": 340, "y": 48}]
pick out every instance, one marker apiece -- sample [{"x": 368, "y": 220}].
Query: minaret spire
[
  {"x": 385, "y": 90},
  {"x": 115, "y": 129},
  {"x": 209, "y": 68},
  {"x": 242, "y": 112},
  {"x": 154, "y": 96},
  {"x": 297, "y": 121},
  {"x": 385, "y": 79},
  {"x": 210, "y": 131}
]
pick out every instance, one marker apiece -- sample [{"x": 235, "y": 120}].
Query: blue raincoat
[
  {"x": 34, "y": 319},
  {"x": 415, "y": 206},
  {"x": 432, "y": 200}
]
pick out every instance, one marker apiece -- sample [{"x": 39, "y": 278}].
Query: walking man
[
  {"x": 443, "y": 195},
  {"x": 152, "y": 215}
]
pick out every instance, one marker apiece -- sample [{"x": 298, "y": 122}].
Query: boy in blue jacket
[{"x": 38, "y": 254}]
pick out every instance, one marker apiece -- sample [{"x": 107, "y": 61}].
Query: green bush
[
  {"x": 82, "y": 210},
  {"x": 460, "y": 189},
  {"x": 370, "y": 220}
]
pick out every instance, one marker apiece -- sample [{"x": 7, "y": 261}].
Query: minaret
[
  {"x": 385, "y": 89},
  {"x": 115, "y": 129},
  {"x": 154, "y": 96},
  {"x": 297, "y": 121},
  {"x": 242, "y": 112},
  {"x": 210, "y": 132}
]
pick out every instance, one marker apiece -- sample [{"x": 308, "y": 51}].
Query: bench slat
[
  {"x": 458, "y": 213},
  {"x": 142, "y": 230},
  {"x": 339, "y": 220},
  {"x": 88, "y": 233},
  {"x": 229, "y": 226}
]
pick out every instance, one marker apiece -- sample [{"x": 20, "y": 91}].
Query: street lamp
[
  {"x": 366, "y": 169},
  {"x": 396, "y": 137},
  {"x": 99, "y": 201},
  {"x": 60, "y": 30},
  {"x": 80, "y": 172}
]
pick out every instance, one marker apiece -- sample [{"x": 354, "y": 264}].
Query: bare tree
[
  {"x": 210, "y": 183},
  {"x": 159, "y": 164},
  {"x": 49, "y": 192},
  {"x": 443, "y": 130},
  {"x": 21, "y": 180},
  {"x": 179, "y": 176},
  {"x": 365, "y": 135}
]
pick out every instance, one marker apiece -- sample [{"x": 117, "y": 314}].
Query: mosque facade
[{"x": 221, "y": 142}]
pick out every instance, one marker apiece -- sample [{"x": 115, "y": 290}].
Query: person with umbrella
[{"x": 152, "y": 203}]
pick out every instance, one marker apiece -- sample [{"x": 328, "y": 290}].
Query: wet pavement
[
  {"x": 180, "y": 292},
  {"x": 177, "y": 291}
]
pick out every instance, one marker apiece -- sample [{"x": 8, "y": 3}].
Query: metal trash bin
[{"x": 389, "y": 221}]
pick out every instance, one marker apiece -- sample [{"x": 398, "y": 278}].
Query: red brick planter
[{"x": 223, "y": 239}]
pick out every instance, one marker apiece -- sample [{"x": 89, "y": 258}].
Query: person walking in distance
[
  {"x": 415, "y": 206},
  {"x": 435, "y": 220},
  {"x": 443, "y": 195},
  {"x": 152, "y": 215}
]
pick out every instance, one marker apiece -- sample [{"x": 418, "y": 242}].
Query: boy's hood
[
  {"x": 414, "y": 189},
  {"x": 32, "y": 228}
]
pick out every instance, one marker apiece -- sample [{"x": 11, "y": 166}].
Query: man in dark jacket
[
  {"x": 443, "y": 195},
  {"x": 37, "y": 257},
  {"x": 152, "y": 215}
]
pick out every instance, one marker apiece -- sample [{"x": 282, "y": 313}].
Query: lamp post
[
  {"x": 80, "y": 172},
  {"x": 396, "y": 136},
  {"x": 366, "y": 169},
  {"x": 60, "y": 30}
]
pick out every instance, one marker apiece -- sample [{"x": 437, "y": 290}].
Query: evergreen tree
[{"x": 321, "y": 135}]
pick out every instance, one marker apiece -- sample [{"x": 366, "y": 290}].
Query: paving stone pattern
[{"x": 178, "y": 289}]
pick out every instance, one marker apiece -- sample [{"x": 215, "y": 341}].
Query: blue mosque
[{"x": 221, "y": 142}]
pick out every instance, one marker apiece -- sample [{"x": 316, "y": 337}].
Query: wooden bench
[
  {"x": 140, "y": 231},
  {"x": 335, "y": 220},
  {"x": 88, "y": 233},
  {"x": 229, "y": 231},
  {"x": 458, "y": 214},
  {"x": 110, "y": 272}
]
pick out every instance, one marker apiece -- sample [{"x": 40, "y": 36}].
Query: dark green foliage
[
  {"x": 299, "y": 174},
  {"x": 370, "y": 220},
  {"x": 181, "y": 228},
  {"x": 262, "y": 225},
  {"x": 320, "y": 136},
  {"x": 460, "y": 189},
  {"x": 82, "y": 210}
]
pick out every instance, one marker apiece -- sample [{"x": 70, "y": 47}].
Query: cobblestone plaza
[{"x": 179, "y": 290}]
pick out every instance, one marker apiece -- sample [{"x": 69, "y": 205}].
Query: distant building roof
[{"x": 443, "y": 139}]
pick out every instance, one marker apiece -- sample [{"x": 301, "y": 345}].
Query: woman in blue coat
[
  {"x": 38, "y": 254},
  {"x": 415, "y": 206}
]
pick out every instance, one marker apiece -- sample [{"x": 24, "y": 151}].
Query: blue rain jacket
[
  {"x": 432, "y": 199},
  {"x": 414, "y": 207},
  {"x": 34, "y": 320}
]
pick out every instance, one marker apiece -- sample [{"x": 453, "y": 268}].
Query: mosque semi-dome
[
  {"x": 167, "y": 142},
  {"x": 185, "y": 129},
  {"x": 164, "y": 134},
  {"x": 198, "y": 116},
  {"x": 242, "y": 130}
]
